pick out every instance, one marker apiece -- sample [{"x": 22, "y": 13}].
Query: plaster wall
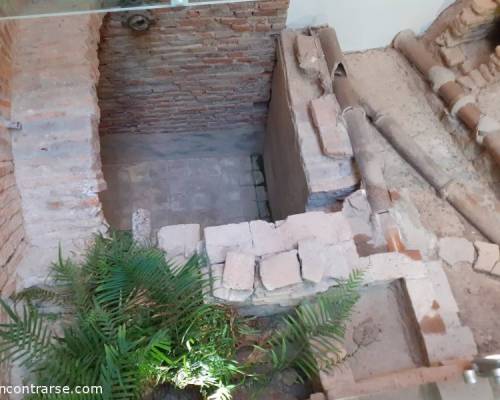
[{"x": 357, "y": 27}]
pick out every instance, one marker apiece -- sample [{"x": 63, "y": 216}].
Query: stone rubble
[
  {"x": 266, "y": 238},
  {"x": 454, "y": 250},
  {"x": 220, "y": 239},
  {"x": 332, "y": 132},
  {"x": 264, "y": 268},
  {"x": 308, "y": 55},
  {"x": 312, "y": 259},
  {"x": 259, "y": 263},
  {"x": 179, "y": 242},
  {"x": 141, "y": 226},
  {"x": 488, "y": 256},
  {"x": 474, "y": 22},
  {"x": 280, "y": 270},
  {"x": 239, "y": 271}
]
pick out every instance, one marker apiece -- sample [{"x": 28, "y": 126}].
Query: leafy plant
[{"x": 130, "y": 320}]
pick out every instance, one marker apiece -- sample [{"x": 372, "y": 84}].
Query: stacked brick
[
  {"x": 483, "y": 75},
  {"x": 11, "y": 219},
  {"x": 308, "y": 157},
  {"x": 260, "y": 266},
  {"x": 57, "y": 156},
  {"x": 474, "y": 22},
  {"x": 197, "y": 69}
]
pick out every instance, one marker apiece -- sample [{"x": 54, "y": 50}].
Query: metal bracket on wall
[{"x": 12, "y": 125}]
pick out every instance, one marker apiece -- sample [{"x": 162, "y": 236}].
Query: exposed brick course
[
  {"x": 11, "y": 219},
  {"x": 57, "y": 157},
  {"x": 197, "y": 69}
]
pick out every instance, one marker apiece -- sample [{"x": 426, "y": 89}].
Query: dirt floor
[{"x": 387, "y": 78}]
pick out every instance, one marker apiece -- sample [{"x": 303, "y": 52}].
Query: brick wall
[
  {"x": 11, "y": 219},
  {"x": 197, "y": 69},
  {"x": 57, "y": 158}
]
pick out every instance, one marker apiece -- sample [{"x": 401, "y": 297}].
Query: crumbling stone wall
[
  {"x": 197, "y": 69},
  {"x": 304, "y": 172},
  {"x": 476, "y": 20},
  {"x": 57, "y": 158},
  {"x": 11, "y": 219}
]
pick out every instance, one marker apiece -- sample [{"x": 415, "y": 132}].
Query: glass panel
[{"x": 14, "y": 9}]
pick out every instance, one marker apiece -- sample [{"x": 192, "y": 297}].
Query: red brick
[{"x": 167, "y": 78}]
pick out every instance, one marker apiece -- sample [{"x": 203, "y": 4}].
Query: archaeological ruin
[{"x": 287, "y": 144}]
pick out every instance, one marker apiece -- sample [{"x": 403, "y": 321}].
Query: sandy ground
[{"x": 386, "y": 77}]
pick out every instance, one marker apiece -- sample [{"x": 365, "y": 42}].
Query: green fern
[
  {"x": 132, "y": 320},
  {"x": 311, "y": 338},
  {"x": 27, "y": 338}
]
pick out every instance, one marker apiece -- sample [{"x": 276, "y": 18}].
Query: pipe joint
[
  {"x": 440, "y": 76},
  {"x": 486, "y": 126},
  {"x": 403, "y": 37},
  {"x": 461, "y": 103}
]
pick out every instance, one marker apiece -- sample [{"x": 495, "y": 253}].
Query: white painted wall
[{"x": 366, "y": 24}]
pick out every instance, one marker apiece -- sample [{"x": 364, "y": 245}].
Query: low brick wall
[
  {"x": 57, "y": 157},
  {"x": 263, "y": 267},
  {"x": 197, "y": 69}
]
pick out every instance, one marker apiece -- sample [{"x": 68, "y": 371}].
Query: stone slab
[
  {"x": 266, "y": 238},
  {"x": 239, "y": 271},
  {"x": 329, "y": 228},
  {"x": 442, "y": 288},
  {"x": 455, "y": 344},
  {"x": 307, "y": 54},
  {"x": 280, "y": 270},
  {"x": 341, "y": 259},
  {"x": 141, "y": 227},
  {"x": 179, "y": 240},
  {"x": 385, "y": 267},
  {"x": 488, "y": 256},
  {"x": 221, "y": 239},
  {"x": 454, "y": 250},
  {"x": 223, "y": 293},
  {"x": 312, "y": 260},
  {"x": 331, "y": 130},
  {"x": 496, "y": 269}
]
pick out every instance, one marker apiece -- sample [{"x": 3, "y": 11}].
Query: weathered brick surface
[
  {"x": 58, "y": 168},
  {"x": 11, "y": 219},
  {"x": 197, "y": 69}
]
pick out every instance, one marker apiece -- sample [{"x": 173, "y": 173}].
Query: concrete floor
[
  {"x": 380, "y": 334},
  {"x": 204, "y": 179}
]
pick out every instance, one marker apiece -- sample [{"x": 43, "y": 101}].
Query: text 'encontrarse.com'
[{"x": 34, "y": 389}]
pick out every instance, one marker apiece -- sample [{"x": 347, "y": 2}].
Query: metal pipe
[
  {"x": 486, "y": 131},
  {"x": 485, "y": 221},
  {"x": 361, "y": 137}
]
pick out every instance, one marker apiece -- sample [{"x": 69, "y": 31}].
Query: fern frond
[
  {"x": 40, "y": 294},
  {"x": 311, "y": 338},
  {"x": 26, "y": 338}
]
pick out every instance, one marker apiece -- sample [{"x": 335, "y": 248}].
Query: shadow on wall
[{"x": 362, "y": 24}]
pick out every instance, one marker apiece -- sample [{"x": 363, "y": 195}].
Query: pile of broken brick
[
  {"x": 258, "y": 263},
  {"x": 484, "y": 256},
  {"x": 474, "y": 22}
]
